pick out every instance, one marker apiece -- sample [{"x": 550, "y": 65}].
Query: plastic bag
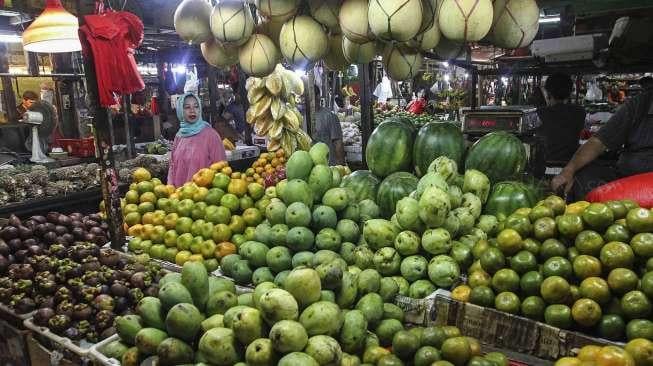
[
  {"x": 383, "y": 91},
  {"x": 593, "y": 92},
  {"x": 192, "y": 83}
]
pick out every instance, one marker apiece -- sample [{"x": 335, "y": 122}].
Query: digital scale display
[{"x": 491, "y": 124}]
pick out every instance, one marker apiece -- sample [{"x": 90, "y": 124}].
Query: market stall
[{"x": 328, "y": 183}]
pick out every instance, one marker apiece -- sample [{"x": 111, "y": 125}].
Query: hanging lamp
[{"x": 54, "y": 31}]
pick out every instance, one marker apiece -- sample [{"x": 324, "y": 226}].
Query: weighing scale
[
  {"x": 519, "y": 120},
  {"x": 522, "y": 121}
]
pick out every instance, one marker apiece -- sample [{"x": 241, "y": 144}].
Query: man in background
[
  {"x": 328, "y": 131},
  {"x": 29, "y": 98}
]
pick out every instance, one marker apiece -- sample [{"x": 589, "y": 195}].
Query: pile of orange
[
  {"x": 267, "y": 164},
  {"x": 637, "y": 352}
]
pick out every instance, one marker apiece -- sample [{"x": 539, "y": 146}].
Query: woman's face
[{"x": 191, "y": 110}]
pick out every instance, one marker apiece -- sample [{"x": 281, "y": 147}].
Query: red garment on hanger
[{"x": 111, "y": 39}]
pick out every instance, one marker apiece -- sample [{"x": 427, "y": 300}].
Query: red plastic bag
[{"x": 638, "y": 188}]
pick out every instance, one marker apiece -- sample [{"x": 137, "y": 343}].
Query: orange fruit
[
  {"x": 586, "y": 266},
  {"x": 568, "y": 361},
  {"x": 264, "y": 156},
  {"x": 259, "y": 169},
  {"x": 595, "y": 288},
  {"x": 141, "y": 175},
  {"x": 555, "y": 290},
  {"x": 238, "y": 187},
  {"x": 509, "y": 241},
  {"x": 588, "y": 353},
  {"x": 280, "y": 153},
  {"x": 148, "y": 218},
  {"x": 586, "y": 312},
  {"x": 148, "y": 197},
  {"x": 227, "y": 170},
  {"x": 641, "y": 350},
  {"x": 225, "y": 248},
  {"x": 268, "y": 166},
  {"x": 614, "y": 356},
  {"x": 135, "y": 230},
  {"x": 236, "y": 175},
  {"x": 217, "y": 166},
  {"x": 275, "y": 162},
  {"x": 461, "y": 293},
  {"x": 204, "y": 177}
]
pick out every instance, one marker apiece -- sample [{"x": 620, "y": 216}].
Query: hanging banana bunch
[{"x": 273, "y": 112}]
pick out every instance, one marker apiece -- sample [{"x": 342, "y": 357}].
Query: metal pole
[
  {"x": 474, "y": 88},
  {"x": 103, "y": 146},
  {"x": 311, "y": 103},
  {"x": 367, "y": 113},
  {"x": 129, "y": 141}
]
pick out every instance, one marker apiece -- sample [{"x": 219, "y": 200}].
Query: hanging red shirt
[{"x": 111, "y": 39}]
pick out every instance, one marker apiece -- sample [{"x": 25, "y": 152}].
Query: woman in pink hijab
[{"x": 196, "y": 145}]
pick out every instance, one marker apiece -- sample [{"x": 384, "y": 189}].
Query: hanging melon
[
  {"x": 401, "y": 63},
  {"x": 465, "y": 20},
  {"x": 217, "y": 55},
  {"x": 515, "y": 24},
  {"x": 395, "y": 20},
  {"x": 353, "y": 21},
  {"x": 302, "y": 41},
  {"x": 428, "y": 40},
  {"x": 335, "y": 59},
  {"x": 358, "y": 53},
  {"x": 278, "y": 10},
  {"x": 192, "y": 21},
  {"x": 258, "y": 56},
  {"x": 429, "y": 14},
  {"x": 450, "y": 50},
  {"x": 326, "y": 12},
  {"x": 232, "y": 23},
  {"x": 271, "y": 28}
]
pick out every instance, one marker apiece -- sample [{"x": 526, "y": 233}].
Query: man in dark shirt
[
  {"x": 630, "y": 130},
  {"x": 329, "y": 131},
  {"x": 561, "y": 122}
]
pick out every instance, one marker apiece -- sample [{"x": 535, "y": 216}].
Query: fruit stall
[{"x": 436, "y": 243}]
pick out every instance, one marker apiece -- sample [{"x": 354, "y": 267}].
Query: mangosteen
[
  {"x": 122, "y": 262},
  {"x": 97, "y": 231},
  {"x": 91, "y": 278},
  {"x": 103, "y": 319},
  {"x": 152, "y": 290},
  {"x": 5, "y": 294},
  {"x": 58, "y": 323},
  {"x": 65, "y": 308},
  {"x": 107, "y": 333},
  {"x": 109, "y": 257},
  {"x": 4, "y": 264},
  {"x": 90, "y": 264},
  {"x": 15, "y": 245},
  {"x": 82, "y": 312},
  {"x": 25, "y": 305},
  {"x": 104, "y": 226},
  {"x": 122, "y": 304},
  {"x": 30, "y": 224},
  {"x": 21, "y": 271},
  {"x": 40, "y": 229},
  {"x": 9, "y": 232},
  {"x": 14, "y": 220},
  {"x": 21, "y": 255},
  {"x": 62, "y": 294},
  {"x": 29, "y": 242},
  {"x": 88, "y": 293},
  {"x": 84, "y": 327},
  {"x": 76, "y": 216},
  {"x": 49, "y": 226},
  {"x": 64, "y": 220},
  {"x": 119, "y": 289},
  {"x": 50, "y": 237},
  {"x": 43, "y": 315},
  {"x": 141, "y": 280},
  {"x": 95, "y": 217},
  {"x": 22, "y": 286},
  {"x": 69, "y": 238},
  {"x": 60, "y": 230},
  {"x": 75, "y": 271},
  {"x": 78, "y": 233},
  {"x": 105, "y": 289},
  {"x": 89, "y": 237},
  {"x": 39, "y": 219},
  {"x": 135, "y": 295},
  {"x": 34, "y": 250},
  {"x": 24, "y": 232},
  {"x": 92, "y": 336},
  {"x": 43, "y": 301},
  {"x": 52, "y": 217},
  {"x": 91, "y": 223},
  {"x": 5, "y": 282},
  {"x": 100, "y": 240},
  {"x": 4, "y": 248}
]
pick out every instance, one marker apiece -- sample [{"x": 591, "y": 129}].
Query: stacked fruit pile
[
  {"x": 583, "y": 266},
  {"x": 202, "y": 221},
  {"x": 198, "y": 318},
  {"x": 637, "y": 352},
  {"x": 76, "y": 290},
  {"x": 269, "y": 168}
]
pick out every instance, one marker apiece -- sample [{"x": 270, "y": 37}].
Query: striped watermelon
[
  {"x": 407, "y": 121},
  {"x": 362, "y": 183},
  {"x": 506, "y": 197},
  {"x": 393, "y": 188},
  {"x": 437, "y": 139},
  {"x": 389, "y": 149},
  {"x": 500, "y": 155}
]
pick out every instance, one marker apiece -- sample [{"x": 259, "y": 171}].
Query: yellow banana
[{"x": 228, "y": 145}]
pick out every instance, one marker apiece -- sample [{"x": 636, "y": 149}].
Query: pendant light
[{"x": 54, "y": 31}]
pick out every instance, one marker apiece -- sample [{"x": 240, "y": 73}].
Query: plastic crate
[{"x": 82, "y": 148}]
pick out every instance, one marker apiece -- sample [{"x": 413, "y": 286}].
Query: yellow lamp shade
[{"x": 55, "y": 30}]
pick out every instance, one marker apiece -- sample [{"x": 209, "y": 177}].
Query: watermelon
[
  {"x": 506, "y": 197},
  {"x": 362, "y": 183},
  {"x": 389, "y": 149},
  {"x": 393, "y": 188},
  {"x": 437, "y": 139},
  {"x": 407, "y": 121},
  {"x": 500, "y": 155}
]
